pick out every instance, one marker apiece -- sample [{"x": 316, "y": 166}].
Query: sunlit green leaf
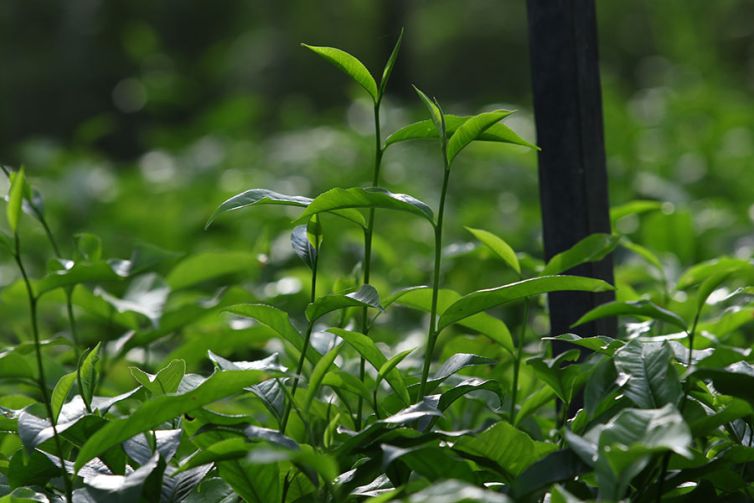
[
  {"x": 590, "y": 249},
  {"x": 472, "y": 129},
  {"x": 641, "y": 308},
  {"x": 350, "y": 66},
  {"x": 499, "y": 247}
]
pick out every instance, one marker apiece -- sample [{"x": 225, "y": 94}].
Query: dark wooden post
[{"x": 572, "y": 174}]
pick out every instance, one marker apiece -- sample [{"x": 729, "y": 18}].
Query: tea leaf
[
  {"x": 499, "y": 247},
  {"x": 60, "y": 393},
  {"x": 590, "y": 249},
  {"x": 371, "y": 197},
  {"x": 482, "y": 300},
  {"x": 15, "y": 200},
  {"x": 350, "y": 66},
  {"x": 163, "y": 408},
  {"x": 652, "y": 381},
  {"x": 426, "y": 130},
  {"x": 318, "y": 374},
  {"x": 388, "y": 70},
  {"x": 472, "y": 129},
  {"x": 302, "y": 246},
  {"x": 366, "y": 348},
  {"x": 643, "y": 308},
  {"x": 365, "y": 296},
  {"x": 435, "y": 113},
  {"x": 633, "y": 208},
  {"x": 207, "y": 266}
]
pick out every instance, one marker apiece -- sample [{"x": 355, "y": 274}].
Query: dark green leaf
[
  {"x": 643, "y": 308},
  {"x": 558, "y": 466},
  {"x": 302, "y": 246},
  {"x": 163, "y": 408},
  {"x": 350, "y": 66},
  {"x": 599, "y": 344},
  {"x": 82, "y": 272},
  {"x": 590, "y": 249},
  {"x": 88, "y": 374},
  {"x": 652, "y": 380},
  {"x": 482, "y": 300}
]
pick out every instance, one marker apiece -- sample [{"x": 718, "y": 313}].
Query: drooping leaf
[
  {"x": 82, "y": 272},
  {"x": 590, "y": 249},
  {"x": 643, "y": 308},
  {"x": 558, "y": 466},
  {"x": 121, "y": 488},
  {"x": 472, "y": 129},
  {"x": 471, "y": 493},
  {"x": 302, "y": 246},
  {"x": 564, "y": 379},
  {"x": 366, "y": 348},
  {"x": 370, "y": 197},
  {"x": 15, "y": 199},
  {"x": 704, "y": 270},
  {"x": 206, "y": 266},
  {"x": 163, "y": 408},
  {"x": 435, "y": 113},
  {"x": 430, "y": 461},
  {"x": 350, "y": 66},
  {"x": 165, "y": 381},
  {"x": 482, "y": 300},
  {"x": 708, "y": 286},
  {"x": 499, "y": 247},
  {"x": 392, "y": 363},
  {"x": 652, "y": 381},
  {"x": 467, "y": 386},
  {"x": 365, "y": 296},
  {"x": 268, "y": 364},
  {"x": 388, "y": 70},
  {"x": 599, "y": 344},
  {"x": 534, "y": 402},
  {"x": 735, "y": 380}
]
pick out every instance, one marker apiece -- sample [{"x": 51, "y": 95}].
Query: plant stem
[
  {"x": 40, "y": 367},
  {"x": 517, "y": 360},
  {"x": 378, "y": 152},
  {"x": 304, "y": 350},
  {"x": 432, "y": 333}
]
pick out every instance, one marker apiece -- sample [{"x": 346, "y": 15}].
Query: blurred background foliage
[{"x": 136, "y": 118}]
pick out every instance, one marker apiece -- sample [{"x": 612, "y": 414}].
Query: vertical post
[{"x": 572, "y": 174}]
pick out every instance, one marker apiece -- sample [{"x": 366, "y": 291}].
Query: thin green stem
[
  {"x": 378, "y": 152},
  {"x": 517, "y": 360},
  {"x": 40, "y": 368},
  {"x": 304, "y": 350},
  {"x": 432, "y": 333}
]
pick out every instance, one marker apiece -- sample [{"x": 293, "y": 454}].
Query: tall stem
[
  {"x": 517, "y": 360},
  {"x": 40, "y": 367},
  {"x": 368, "y": 250},
  {"x": 304, "y": 350},
  {"x": 432, "y": 333}
]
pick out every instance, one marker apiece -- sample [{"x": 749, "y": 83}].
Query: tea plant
[{"x": 331, "y": 404}]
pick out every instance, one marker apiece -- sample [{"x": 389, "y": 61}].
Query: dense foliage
[{"x": 219, "y": 375}]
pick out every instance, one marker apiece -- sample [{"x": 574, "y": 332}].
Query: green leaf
[
  {"x": 366, "y": 348},
  {"x": 88, "y": 374},
  {"x": 735, "y": 380},
  {"x": 426, "y": 130},
  {"x": 206, "y": 266},
  {"x": 643, "y": 252},
  {"x": 473, "y": 129},
  {"x": 60, "y": 393},
  {"x": 278, "y": 321},
  {"x": 633, "y": 208},
  {"x": 643, "y": 308},
  {"x": 565, "y": 380},
  {"x": 370, "y": 197},
  {"x": 392, "y": 363},
  {"x": 533, "y": 402},
  {"x": 365, "y": 296},
  {"x": 164, "y": 408},
  {"x": 350, "y": 66},
  {"x": 482, "y": 300},
  {"x": 512, "y": 449},
  {"x": 499, "y": 247},
  {"x": 89, "y": 246},
  {"x": 222, "y": 450},
  {"x": 318, "y": 374},
  {"x": 421, "y": 298},
  {"x": 255, "y": 197},
  {"x": 467, "y": 386},
  {"x": 15, "y": 199},
  {"x": 652, "y": 380},
  {"x": 599, "y": 343},
  {"x": 700, "y": 272},
  {"x": 388, "y": 70},
  {"x": 303, "y": 247},
  {"x": 165, "y": 381},
  {"x": 435, "y": 114},
  {"x": 558, "y": 466},
  {"x": 76, "y": 273},
  {"x": 430, "y": 461},
  {"x": 708, "y": 286},
  {"x": 590, "y": 249}
]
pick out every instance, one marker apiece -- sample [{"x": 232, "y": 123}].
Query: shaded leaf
[
  {"x": 590, "y": 249},
  {"x": 642, "y": 308},
  {"x": 365, "y": 296},
  {"x": 652, "y": 382},
  {"x": 206, "y": 266},
  {"x": 302, "y": 246}
]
